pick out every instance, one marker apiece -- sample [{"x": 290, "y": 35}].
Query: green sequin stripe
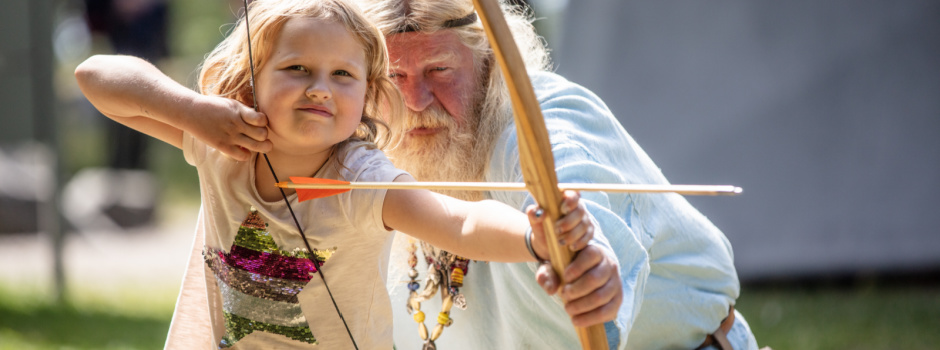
[
  {"x": 238, "y": 327},
  {"x": 261, "y": 241}
]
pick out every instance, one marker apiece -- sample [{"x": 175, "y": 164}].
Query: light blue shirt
[{"x": 676, "y": 267}]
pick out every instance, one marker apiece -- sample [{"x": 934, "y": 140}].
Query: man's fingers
[
  {"x": 587, "y": 233},
  {"x": 570, "y": 201},
  {"x": 598, "y": 315},
  {"x": 585, "y": 260},
  {"x": 570, "y": 222},
  {"x": 547, "y": 278},
  {"x": 591, "y": 280},
  {"x": 601, "y": 295}
]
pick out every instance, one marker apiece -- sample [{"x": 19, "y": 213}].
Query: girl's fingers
[
  {"x": 236, "y": 152},
  {"x": 254, "y": 145},
  {"x": 534, "y": 214},
  {"x": 255, "y": 118},
  {"x": 257, "y": 133}
]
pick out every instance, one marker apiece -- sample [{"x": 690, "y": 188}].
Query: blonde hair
[
  {"x": 226, "y": 70},
  {"x": 394, "y": 16}
]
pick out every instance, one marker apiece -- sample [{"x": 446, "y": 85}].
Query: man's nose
[{"x": 417, "y": 94}]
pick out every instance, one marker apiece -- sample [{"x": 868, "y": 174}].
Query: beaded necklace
[{"x": 445, "y": 274}]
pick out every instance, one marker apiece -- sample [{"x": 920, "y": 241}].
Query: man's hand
[
  {"x": 593, "y": 294},
  {"x": 229, "y": 126}
]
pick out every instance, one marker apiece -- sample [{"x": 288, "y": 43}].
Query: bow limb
[{"x": 535, "y": 151}]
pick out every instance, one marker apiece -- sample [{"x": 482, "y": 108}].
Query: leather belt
[{"x": 720, "y": 337}]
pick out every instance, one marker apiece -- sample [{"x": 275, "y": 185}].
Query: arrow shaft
[{"x": 689, "y": 190}]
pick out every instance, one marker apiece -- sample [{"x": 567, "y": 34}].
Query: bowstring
[{"x": 312, "y": 257}]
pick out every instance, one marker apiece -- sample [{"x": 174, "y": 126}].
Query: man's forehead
[{"x": 420, "y": 47}]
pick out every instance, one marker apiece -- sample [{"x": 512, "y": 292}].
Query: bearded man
[{"x": 676, "y": 281}]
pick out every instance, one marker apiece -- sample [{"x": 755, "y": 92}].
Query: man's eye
[
  {"x": 439, "y": 69},
  {"x": 394, "y": 75}
]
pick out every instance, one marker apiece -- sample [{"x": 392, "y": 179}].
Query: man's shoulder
[
  {"x": 555, "y": 91},
  {"x": 549, "y": 81},
  {"x": 546, "y": 82}
]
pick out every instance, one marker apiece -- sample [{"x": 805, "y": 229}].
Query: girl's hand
[
  {"x": 229, "y": 126},
  {"x": 574, "y": 229}
]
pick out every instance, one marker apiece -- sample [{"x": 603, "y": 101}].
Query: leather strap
[{"x": 720, "y": 337}]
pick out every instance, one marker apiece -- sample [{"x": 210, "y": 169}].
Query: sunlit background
[{"x": 826, "y": 113}]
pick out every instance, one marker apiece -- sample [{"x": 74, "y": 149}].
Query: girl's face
[{"x": 313, "y": 86}]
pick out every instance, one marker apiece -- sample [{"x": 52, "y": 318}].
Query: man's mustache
[{"x": 433, "y": 117}]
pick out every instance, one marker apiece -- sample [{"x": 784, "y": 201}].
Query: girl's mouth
[{"x": 316, "y": 109}]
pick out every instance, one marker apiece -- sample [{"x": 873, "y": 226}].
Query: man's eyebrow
[
  {"x": 438, "y": 57},
  {"x": 442, "y": 56}
]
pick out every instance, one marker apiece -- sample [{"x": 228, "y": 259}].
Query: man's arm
[
  {"x": 607, "y": 279},
  {"x": 135, "y": 93}
]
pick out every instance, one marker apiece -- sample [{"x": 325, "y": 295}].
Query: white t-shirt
[{"x": 263, "y": 291}]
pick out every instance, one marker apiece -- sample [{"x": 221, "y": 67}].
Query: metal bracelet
[{"x": 528, "y": 244}]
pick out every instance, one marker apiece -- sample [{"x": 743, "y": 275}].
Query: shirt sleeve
[
  {"x": 194, "y": 151},
  {"x": 363, "y": 164}
]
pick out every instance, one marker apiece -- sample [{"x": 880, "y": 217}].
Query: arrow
[{"x": 310, "y": 188}]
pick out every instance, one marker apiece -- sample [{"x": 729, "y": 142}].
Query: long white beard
[{"x": 455, "y": 154}]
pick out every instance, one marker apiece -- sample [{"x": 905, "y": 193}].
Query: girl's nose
[{"x": 318, "y": 89}]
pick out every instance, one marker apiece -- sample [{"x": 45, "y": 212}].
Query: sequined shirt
[{"x": 262, "y": 288}]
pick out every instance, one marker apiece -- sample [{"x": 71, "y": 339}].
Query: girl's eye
[
  {"x": 343, "y": 73},
  {"x": 297, "y": 68}
]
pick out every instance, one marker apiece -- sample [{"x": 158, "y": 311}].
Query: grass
[
  {"x": 88, "y": 319},
  {"x": 838, "y": 317},
  {"x": 783, "y": 317}
]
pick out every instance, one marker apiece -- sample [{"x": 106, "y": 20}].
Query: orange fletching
[{"x": 308, "y": 194}]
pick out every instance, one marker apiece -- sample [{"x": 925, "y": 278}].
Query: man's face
[
  {"x": 434, "y": 72},
  {"x": 436, "y": 75}
]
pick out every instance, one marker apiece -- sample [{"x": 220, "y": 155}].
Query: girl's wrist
[{"x": 529, "y": 245}]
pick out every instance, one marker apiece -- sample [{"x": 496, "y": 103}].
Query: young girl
[{"x": 321, "y": 79}]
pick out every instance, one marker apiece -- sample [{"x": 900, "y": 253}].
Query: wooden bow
[{"x": 535, "y": 150}]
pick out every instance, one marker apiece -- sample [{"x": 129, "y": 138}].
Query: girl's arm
[
  {"x": 135, "y": 93},
  {"x": 486, "y": 230}
]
